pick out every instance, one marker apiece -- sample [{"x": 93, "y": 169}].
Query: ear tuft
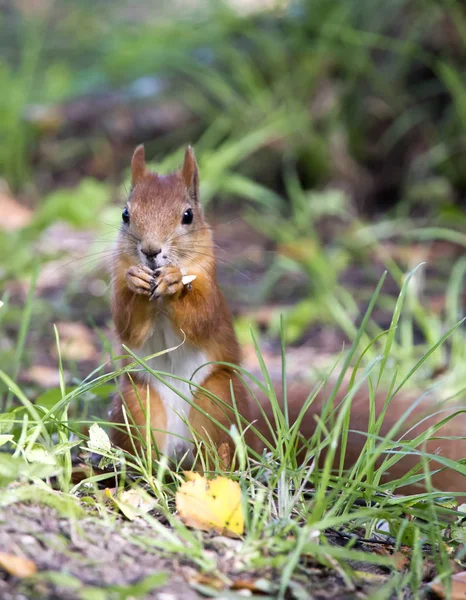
[
  {"x": 138, "y": 165},
  {"x": 190, "y": 173}
]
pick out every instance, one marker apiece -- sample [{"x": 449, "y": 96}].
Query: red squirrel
[{"x": 164, "y": 237}]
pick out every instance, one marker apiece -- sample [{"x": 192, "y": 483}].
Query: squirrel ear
[
  {"x": 138, "y": 165},
  {"x": 190, "y": 174}
]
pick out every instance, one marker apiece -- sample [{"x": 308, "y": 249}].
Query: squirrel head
[{"x": 163, "y": 222}]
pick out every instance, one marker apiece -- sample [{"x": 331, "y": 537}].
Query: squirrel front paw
[
  {"x": 168, "y": 282},
  {"x": 140, "y": 279}
]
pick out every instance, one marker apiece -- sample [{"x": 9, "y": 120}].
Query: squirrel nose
[{"x": 152, "y": 251}]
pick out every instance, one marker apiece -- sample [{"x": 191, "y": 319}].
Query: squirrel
[
  {"x": 163, "y": 238},
  {"x": 166, "y": 300}
]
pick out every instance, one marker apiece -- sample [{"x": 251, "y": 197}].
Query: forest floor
[
  {"x": 86, "y": 557},
  {"x": 85, "y": 552}
]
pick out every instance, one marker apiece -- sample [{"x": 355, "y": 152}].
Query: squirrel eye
[
  {"x": 187, "y": 217},
  {"x": 125, "y": 216}
]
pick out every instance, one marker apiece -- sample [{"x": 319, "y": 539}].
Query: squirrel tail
[{"x": 424, "y": 414}]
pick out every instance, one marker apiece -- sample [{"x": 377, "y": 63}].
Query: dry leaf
[
  {"x": 76, "y": 342},
  {"x": 211, "y": 504},
  {"x": 133, "y": 503},
  {"x": 458, "y": 587},
  {"x": 17, "y": 565},
  {"x": 401, "y": 561},
  {"x": 400, "y": 558},
  {"x": 45, "y": 377},
  {"x": 14, "y": 215},
  {"x": 210, "y": 580},
  {"x": 261, "y": 586}
]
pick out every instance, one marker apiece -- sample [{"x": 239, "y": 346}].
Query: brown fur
[
  {"x": 216, "y": 384},
  {"x": 135, "y": 395},
  {"x": 422, "y": 417},
  {"x": 131, "y": 312}
]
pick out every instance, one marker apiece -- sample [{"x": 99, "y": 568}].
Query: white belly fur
[{"x": 182, "y": 362}]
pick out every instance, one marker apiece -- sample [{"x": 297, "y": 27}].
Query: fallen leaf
[
  {"x": 99, "y": 442},
  {"x": 458, "y": 587},
  {"x": 14, "y": 215},
  {"x": 17, "y": 565},
  {"x": 133, "y": 503},
  {"x": 76, "y": 342},
  {"x": 260, "y": 586},
  {"x": 210, "y": 580},
  {"x": 45, "y": 377},
  {"x": 211, "y": 504},
  {"x": 401, "y": 561}
]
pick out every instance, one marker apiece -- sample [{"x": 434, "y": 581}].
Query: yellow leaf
[
  {"x": 193, "y": 476},
  {"x": 17, "y": 565},
  {"x": 214, "y": 504}
]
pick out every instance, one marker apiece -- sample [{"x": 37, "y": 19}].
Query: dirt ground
[{"x": 76, "y": 556}]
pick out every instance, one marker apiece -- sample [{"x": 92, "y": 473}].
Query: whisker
[
  {"x": 171, "y": 239},
  {"x": 94, "y": 257},
  {"x": 112, "y": 225},
  {"x": 207, "y": 246},
  {"x": 189, "y": 232},
  {"x": 186, "y": 254},
  {"x": 198, "y": 265},
  {"x": 86, "y": 237},
  {"x": 125, "y": 231},
  {"x": 197, "y": 245}
]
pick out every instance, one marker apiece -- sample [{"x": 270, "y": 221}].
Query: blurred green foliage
[
  {"x": 318, "y": 111},
  {"x": 370, "y": 72}
]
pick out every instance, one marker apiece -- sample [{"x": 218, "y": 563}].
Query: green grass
[
  {"x": 274, "y": 97},
  {"x": 290, "y": 505}
]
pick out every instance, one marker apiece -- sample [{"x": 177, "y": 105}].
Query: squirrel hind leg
[
  {"x": 135, "y": 398},
  {"x": 205, "y": 427}
]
